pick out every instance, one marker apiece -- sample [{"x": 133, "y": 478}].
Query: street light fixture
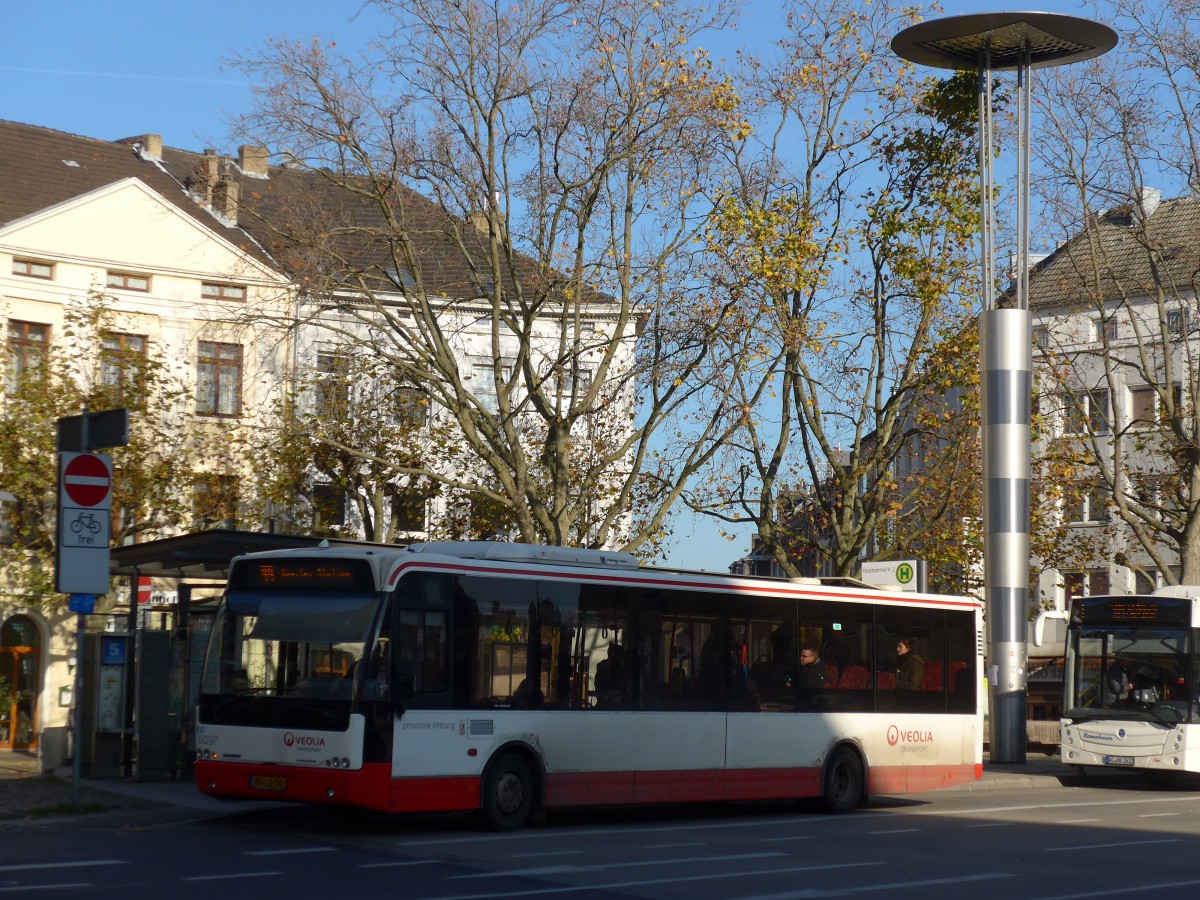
[{"x": 987, "y": 43}]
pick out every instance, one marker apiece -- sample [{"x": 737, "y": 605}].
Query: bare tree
[
  {"x": 498, "y": 204},
  {"x": 1120, "y": 358},
  {"x": 847, "y": 241}
]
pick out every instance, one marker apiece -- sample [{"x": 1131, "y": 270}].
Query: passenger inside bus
[
  {"x": 910, "y": 667},
  {"x": 611, "y": 678},
  {"x": 1116, "y": 680}
]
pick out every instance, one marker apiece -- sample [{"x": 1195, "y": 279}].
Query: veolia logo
[
  {"x": 289, "y": 739},
  {"x": 908, "y": 736}
]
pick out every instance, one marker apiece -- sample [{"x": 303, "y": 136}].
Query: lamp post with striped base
[{"x": 987, "y": 43}]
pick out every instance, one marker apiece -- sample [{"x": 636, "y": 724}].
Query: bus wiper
[
  {"x": 241, "y": 695},
  {"x": 1156, "y": 712}
]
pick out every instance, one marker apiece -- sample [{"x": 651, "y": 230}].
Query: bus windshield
[
  {"x": 1129, "y": 671},
  {"x": 303, "y": 646}
]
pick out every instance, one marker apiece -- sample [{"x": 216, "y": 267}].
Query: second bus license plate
[
  {"x": 1108, "y": 761},
  {"x": 267, "y": 782}
]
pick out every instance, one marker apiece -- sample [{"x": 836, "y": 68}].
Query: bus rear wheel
[
  {"x": 843, "y": 786},
  {"x": 508, "y": 793}
]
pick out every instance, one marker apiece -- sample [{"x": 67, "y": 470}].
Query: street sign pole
[{"x": 81, "y": 557}]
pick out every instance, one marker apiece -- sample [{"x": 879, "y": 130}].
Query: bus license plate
[
  {"x": 1108, "y": 761},
  {"x": 268, "y": 782}
]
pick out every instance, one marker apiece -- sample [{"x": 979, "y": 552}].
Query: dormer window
[
  {"x": 32, "y": 269},
  {"x": 127, "y": 282},
  {"x": 211, "y": 290}
]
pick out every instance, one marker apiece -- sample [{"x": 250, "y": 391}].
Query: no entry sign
[
  {"x": 86, "y": 480},
  {"x": 84, "y": 523}
]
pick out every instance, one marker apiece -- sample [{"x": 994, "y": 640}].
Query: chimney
[
  {"x": 1151, "y": 198},
  {"x": 478, "y": 220},
  {"x": 253, "y": 161},
  {"x": 208, "y": 170},
  {"x": 148, "y": 146},
  {"x": 225, "y": 199}
]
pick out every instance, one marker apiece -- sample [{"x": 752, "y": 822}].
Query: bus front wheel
[
  {"x": 508, "y": 793},
  {"x": 843, "y": 785}
]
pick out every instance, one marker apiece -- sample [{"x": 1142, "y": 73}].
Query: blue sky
[{"x": 116, "y": 70}]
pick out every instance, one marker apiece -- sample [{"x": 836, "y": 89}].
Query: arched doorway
[{"x": 20, "y": 683}]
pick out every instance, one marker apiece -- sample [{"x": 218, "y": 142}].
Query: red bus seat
[
  {"x": 854, "y": 678},
  {"x": 933, "y": 676},
  {"x": 831, "y": 676},
  {"x": 886, "y": 681}
]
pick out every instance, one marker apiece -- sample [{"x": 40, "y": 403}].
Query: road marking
[
  {"x": 990, "y": 825},
  {"x": 394, "y": 865},
  {"x": 650, "y": 882},
  {"x": 232, "y": 875},
  {"x": 896, "y": 831},
  {"x": 289, "y": 851},
  {"x": 1078, "y": 821},
  {"x": 76, "y": 864},
  {"x": 891, "y": 886},
  {"x": 1034, "y": 807},
  {"x": 1106, "y": 846},
  {"x": 1156, "y": 815},
  {"x": 543, "y": 855},
  {"x": 794, "y": 837},
  {"x": 541, "y": 836},
  {"x": 45, "y": 887},
  {"x": 604, "y": 867},
  {"x": 1125, "y": 891},
  {"x": 673, "y": 846}
]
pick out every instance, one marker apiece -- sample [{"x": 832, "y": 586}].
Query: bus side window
[{"x": 421, "y": 665}]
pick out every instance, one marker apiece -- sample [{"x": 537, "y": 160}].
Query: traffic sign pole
[{"x": 84, "y": 523}]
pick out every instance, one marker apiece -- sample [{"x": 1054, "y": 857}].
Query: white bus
[
  {"x": 510, "y": 679},
  {"x": 1131, "y": 682}
]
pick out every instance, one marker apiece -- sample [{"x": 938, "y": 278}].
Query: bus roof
[{"x": 495, "y": 556}]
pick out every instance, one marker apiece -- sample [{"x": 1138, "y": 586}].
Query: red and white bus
[{"x": 510, "y": 678}]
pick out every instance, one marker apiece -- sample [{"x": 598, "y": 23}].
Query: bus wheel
[
  {"x": 508, "y": 793},
  {"x": 843, "y": 785}
]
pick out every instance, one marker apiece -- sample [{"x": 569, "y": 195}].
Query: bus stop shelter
[{"x": 192, "y": 560}]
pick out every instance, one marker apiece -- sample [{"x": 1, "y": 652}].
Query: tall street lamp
[{"x": 987, "y": 43}]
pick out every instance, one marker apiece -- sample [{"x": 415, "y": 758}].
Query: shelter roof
[{"x": 207, "y": 554}]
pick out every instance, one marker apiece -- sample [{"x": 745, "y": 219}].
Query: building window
[
  {"x": 483, "y": 383},
  {"x": 332, "y": 387},
  {"x": 213, "y": 291},
  {"x": 576, "y": 382},
  {"x": 329, "y": 507},
  {"x": 1086, "y": 412},
  {"x": 215, "y": 501},
  {"x": 28, "y": 344},
  {"x": 412, "y": 410},
  {"x": 1086, "y": 584},
  {"x": 219, "y": 379},
  {"x": 1041, "y": 337},
  {"x": 122, "y": 358},
  {"x": 1087, "y": 502},
  {"x": 1179, "y": 322},
  {"x": 1143, "y": 402},
  {"x": 410, "y": 512},
  {"x": 1106, "y": 329},
  {"x": 31, "y": 269},
  {"x": 127, "y": 282}
]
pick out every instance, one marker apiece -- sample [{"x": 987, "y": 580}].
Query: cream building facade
[{"x": 185, "y": 268}]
